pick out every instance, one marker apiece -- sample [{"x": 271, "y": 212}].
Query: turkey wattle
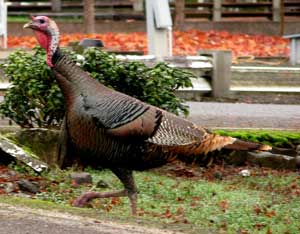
[{"x": 110, "y": 129}]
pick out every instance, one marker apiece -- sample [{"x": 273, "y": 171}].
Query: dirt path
[{"x": 21, "y": 220}]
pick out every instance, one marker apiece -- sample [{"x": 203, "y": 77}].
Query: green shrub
[{"x": 35, "y": 99}]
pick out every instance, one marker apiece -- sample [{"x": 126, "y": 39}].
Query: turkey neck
[{"x": 72, "y": 80}]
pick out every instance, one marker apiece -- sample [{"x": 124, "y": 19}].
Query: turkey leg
[{"x": 130, "y": 190}]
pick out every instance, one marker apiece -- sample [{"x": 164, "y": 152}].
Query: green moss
[
  {"x": 270, "y": 137},
  {"x": 40, "y": 143}
]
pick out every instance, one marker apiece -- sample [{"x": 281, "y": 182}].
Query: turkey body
[
  {"x": 108, "y": 129},
  {"x": 113, "y": 130}
]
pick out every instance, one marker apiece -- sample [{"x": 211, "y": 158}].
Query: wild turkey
[{"x": 119, "y": 132}]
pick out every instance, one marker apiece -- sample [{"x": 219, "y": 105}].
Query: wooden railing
[
  {"x": 215, "y": 10},
  {"x": 104, "y": 9}
]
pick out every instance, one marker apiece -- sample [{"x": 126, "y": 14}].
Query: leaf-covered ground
[
  {"x": 185, "y": 43},
  {"x": 218, "y": 199}
]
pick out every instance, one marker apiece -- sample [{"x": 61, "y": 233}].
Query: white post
[
  {"x": 3, "y": 23},
  {"x": 159, "y": 28},
  {"x": 221, "y": 73}
]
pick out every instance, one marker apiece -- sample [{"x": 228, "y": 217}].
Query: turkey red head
[{"x": 47, "y": 34}]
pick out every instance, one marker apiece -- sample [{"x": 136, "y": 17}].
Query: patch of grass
[
  {"x": 266, "y": 202},
  {"x": 220, "y": 205}
]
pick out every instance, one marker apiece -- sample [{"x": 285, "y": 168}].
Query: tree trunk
[
  {"x": 179, "y": 14},
  {"x": 89, "y": 16}
]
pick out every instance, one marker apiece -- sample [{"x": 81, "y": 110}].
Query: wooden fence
[
  {"x": 215, "y": 10},
  {"x": 104, "y": 9}
]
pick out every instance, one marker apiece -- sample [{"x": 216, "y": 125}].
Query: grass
[{"x": 266, "y": 202}]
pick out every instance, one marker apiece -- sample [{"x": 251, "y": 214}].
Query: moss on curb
[{"x": 285, "y": 139}]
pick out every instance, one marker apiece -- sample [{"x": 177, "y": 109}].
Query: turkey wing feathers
[{"x": 121, "y": 115}]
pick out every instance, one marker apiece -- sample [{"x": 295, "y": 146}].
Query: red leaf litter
[{"x": 184, "y": 43}]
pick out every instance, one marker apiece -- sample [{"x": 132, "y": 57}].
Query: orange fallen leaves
[{"x": 185, "y": 43}]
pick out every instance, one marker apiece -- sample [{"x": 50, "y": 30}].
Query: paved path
[
  {"x": 21, "y": 220},
  {"x": 241, "y": 115}
]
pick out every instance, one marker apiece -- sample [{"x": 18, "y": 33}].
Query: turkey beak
[
  {"x": 27, "y": 25},
  {"x": 30, "y": 25}
]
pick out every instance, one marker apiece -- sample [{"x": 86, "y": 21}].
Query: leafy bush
[{"x": 35, "y": 99}]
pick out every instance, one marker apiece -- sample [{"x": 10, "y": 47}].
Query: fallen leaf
[
  {"x": 179, "y": 210},
  {"x": 167, "y": 214},
  {"x": 269, "y": 231},
  {"x": 74, "y": 184},
  {"x": 270, "y": 213},
  {"x": 115, "y": 201},
  {"x": 257, "y": 209},
  {"x": 224, "y": 205}
]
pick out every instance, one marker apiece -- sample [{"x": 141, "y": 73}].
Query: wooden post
[
  {"x": 138, "y": 5},
  {"x": 179, "y": 14},
  {"x": 221, "y": 72},
  {"x": 56, "y": 5},
  {"x": 282, "y": 10},
  {"x": 276, "y": 10},
  {"x": 217, "y": 10},
  {"x": 89, "y": 16}
]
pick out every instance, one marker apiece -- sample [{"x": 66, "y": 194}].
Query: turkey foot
[{"x": 88, "y": 196}]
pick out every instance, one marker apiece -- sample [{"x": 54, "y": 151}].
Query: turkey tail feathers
[
  {"x": 284, "y": 151},
  {"x": 246, "y": 145},
  {"x": 212, "y": 142}
]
